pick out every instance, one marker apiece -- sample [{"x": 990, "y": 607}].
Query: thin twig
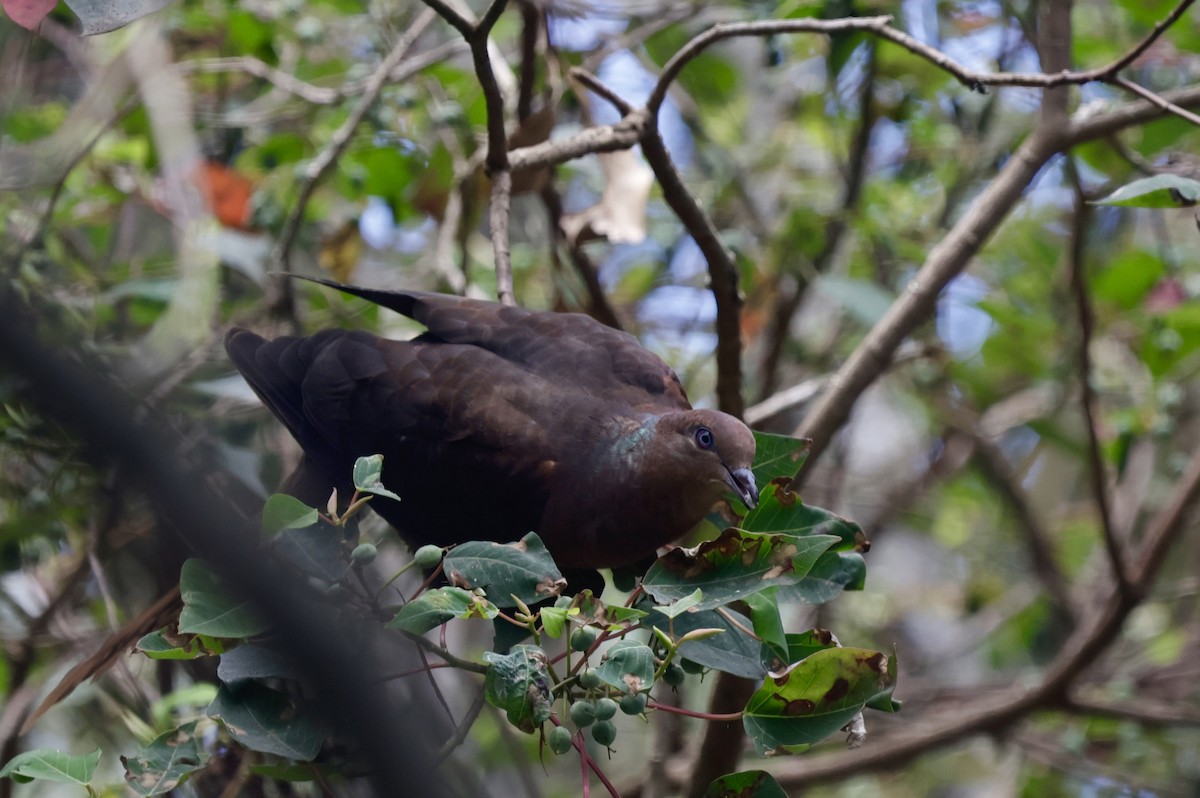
[
  {"x": 463, "y": 25},
  {"x": 463, "y": 728},
  {"x": 729, "y": 30},
  {"x": 722, "y": 271},
  {"x": 1097, "y": 473},
  {"x": 497, "y": 155},
  {"x": 1037, "y": 539},
  {"x": 691, "y": 713},
  {"x": 1143, "y": 711},
  {"x": 457, "y": 662},
  {"x": 317, "y": 95},
  {"x": 589, "y": 141},
  {"x": 1157, "y": 99},
  {"x": 340, "y": 139},
  {"x": 601, "y": 89}
]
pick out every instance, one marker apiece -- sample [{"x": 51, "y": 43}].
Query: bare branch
[
  {"x": 1143, "y": 711},
  {"x": 944, "y": 262},
  {"x": 998, "y": 712},
  {"x": 1157, "y": 99},
  {"x": 498, "y": 221},
  {"x": 497, "y": 155},
  {"x": 317, "y": 95},
  {"x": 596, "y": 85},
  {"x": 729, "y": 30},
  {"x": 722, "y": 271},
  {"x": 463, "y": 728},
  {"x": 601, "y": 138},
  {"x": 460, "y": 23},
  {"x": 1097, "y": 473}
]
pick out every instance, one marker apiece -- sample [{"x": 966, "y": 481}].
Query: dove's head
[{"x": 717, "y": 451}]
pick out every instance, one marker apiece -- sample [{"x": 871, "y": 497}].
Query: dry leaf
[{"x": 620, "y": 216}]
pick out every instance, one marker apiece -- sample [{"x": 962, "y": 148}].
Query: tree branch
[
  {"x": 1097, "y": 473},
  {"x": 994, "y": 713}
]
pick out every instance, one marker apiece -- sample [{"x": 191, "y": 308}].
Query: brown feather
[{"x": 501, "y": 420}]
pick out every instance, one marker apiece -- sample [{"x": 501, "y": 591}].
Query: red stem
[{"x": 713, "y": 716}]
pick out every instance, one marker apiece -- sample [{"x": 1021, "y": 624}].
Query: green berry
[
  {"x": 605, "y": 709},
  {"x": 604, "y": 732},
  {"x": 364, "y": 554},
  {"x": 589, "y": 679},
  {"x": 674, "y": 675},
  {"x": 583, "y": 637},
  {"x": 559, "y": 739},
  {"x": 427, "y": 557},
  {"x": 634, "y": 704},
  {"x": 583, "y": 713}
]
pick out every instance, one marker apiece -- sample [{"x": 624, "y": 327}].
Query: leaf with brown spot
[
  {"x": 263, "y": 719},
  {"x": 781, "y": 512},
  {"x": 815, "y": 697},
  {"x": 166, "y": 762},
  {"x": 747, "y": 784},
  {"x": 735, "y": 565},
  {"x": 523, "y": 569},
  {"x": 519, "y": 683},
  {"x": 778, "y": 456},
  {"x": 628, "y": 666}
]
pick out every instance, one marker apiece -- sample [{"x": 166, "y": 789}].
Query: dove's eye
[{"x": 704, "y": 438}]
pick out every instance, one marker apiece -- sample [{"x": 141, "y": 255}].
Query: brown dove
[{"x": 498, "y": 421}]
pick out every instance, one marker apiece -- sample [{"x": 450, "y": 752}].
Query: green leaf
[
  {"x": 316, "y": 551},
  {"x": 798, "y": 647},
  {"x": 524, "y": 569},
  {"x": 166, "y": 762},
  {"x": 764, "y": 613},
  {"x": 781, "y": 511},
  {"x": 163, "y": 644},
  {"x": 1160, "y": 191},
  {"x": 1128, "y": 278},
  {"x": 815, "y": 697},
  {"x": 628, "y": 666},
  {"x": 555, "y": 618},
  {"x": 367, "y": 476},
  {"x": 777, "y": 456},
  {"x": 519, "y": 683},
  {"x": 747, "y": 784},
  {"x": 680, "y": 606},
  {"x": 434, "y": 607},
  {"x": 733, "y": 652},
  {"x": 733, "y": 566},
  {"x": 286, "y": 512},
  {"x": 834, "y": 572},
  {"x": 50, "y": 765},
  {"x": 254, "y": 661},
  {"x": 208, "y": 609},
  {"x": 263, "y": 719},
  {"x": 297, "y": 771}
]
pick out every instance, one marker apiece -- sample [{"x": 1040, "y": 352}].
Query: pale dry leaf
[{"x": 620, "y": 216}]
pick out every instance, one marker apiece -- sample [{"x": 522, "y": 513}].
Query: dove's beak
[{"x": 742, "y": 482}]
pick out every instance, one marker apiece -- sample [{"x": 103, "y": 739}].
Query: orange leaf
[{"x": 228, "y": 194}]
